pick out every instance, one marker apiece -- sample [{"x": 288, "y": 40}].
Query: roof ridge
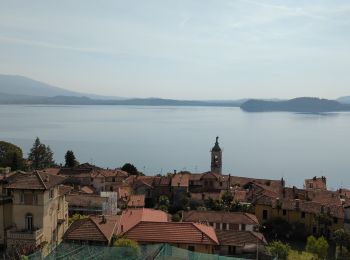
[
  {"x": 250, "y": 216},
  {"x": 42, "y": 182},
  {"x": 98, "y": 228},
  {"x": 197, "y": 225}
]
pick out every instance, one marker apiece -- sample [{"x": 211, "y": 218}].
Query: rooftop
[
  {"x": 37, "y": 180},
  {"x": 220, "y": 217},
  {"x": 173, "y": 232}
]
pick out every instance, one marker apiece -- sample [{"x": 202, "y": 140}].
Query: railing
[{"x": 24, "y": 234}]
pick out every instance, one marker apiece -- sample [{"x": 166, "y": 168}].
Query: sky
[{"x": 184, "y": 49}]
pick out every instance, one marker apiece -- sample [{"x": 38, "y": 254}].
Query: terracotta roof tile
[
  {"x": 87, "y": 190},
  {"x": 220, "y": 217},
  {"x": 93, "y": 229},
  {"x": 136, "y": 201},
  {"x": 131, "y": 217},
  {"x": 180, "y": 180},
  {"x": 173, "y": 232},
  {"x": 64, "y": 189},
  {"x": 239, "y": 238},
  {"x": 36, "y": 180}
]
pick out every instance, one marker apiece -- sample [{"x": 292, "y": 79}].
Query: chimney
[{"x": 174, "y": 172}]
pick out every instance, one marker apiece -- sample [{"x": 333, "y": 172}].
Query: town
[{"x": 88, "y": 211}]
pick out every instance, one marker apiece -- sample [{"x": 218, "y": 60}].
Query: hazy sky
[{"x": 181, "y": 49}]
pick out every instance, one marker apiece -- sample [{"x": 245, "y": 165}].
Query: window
[
  {"x": 113, "y": 179},
  {"x": 243, "y": 227},
  {"x": 335, "y": 220},
  {"x": 51, "y": 193},
  {"x": 234, "y": 226},
  {"x": 303, "y": 214},
  {"x": 232, "y": 250},
  {"x": 264, "y": 214},
  {"x": 211, "y": 224},
  {"x": 35, "y": 198},
  {"x": 224, "y": 226},
  {"x": 284, "y": 212},
  {"x": 220, "y": 183},
  {"x": 21, "y": 197},
  {"x": 29, "y": 222}
]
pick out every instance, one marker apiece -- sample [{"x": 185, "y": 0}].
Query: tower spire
[{"x": 216, "y": 158}]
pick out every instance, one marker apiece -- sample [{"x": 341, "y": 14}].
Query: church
[{"x": 216, "y": 158}]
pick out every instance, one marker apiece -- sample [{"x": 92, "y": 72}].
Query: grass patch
[{"x": 296, "y": 255}]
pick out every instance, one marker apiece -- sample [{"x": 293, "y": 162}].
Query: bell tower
[{"x": 216, "y": 158}]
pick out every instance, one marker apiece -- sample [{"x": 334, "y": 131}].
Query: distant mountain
[
  {"x": 74, "y": 100},
  {"x": 303, "y": 104},
  {"x": 344, "y": 100},
  {"x": 19, "y": 85}
]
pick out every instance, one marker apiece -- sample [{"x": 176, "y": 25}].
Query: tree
[
  {"x": 130, "y": 168},
  {"x": 11, "y": 156},
  {"x": 227, "y": 200},
  {"x": 131, "y": 246},
  {"x": 75, "y": 217},
  {"x": 278, "y": 249},
  {"x": 318, "y": 247},
  {"x": 41, "y": 156},
  {"x": 164, "y": 201},
  {"x": 163, "y": 208},
  {"x": 176, "y": 217},
  {"x": 70, "y": 159},
  {"x": 277, "y": 228},
  {"x": 341, "y": 238},
  {"x": 324, "y": 220}
]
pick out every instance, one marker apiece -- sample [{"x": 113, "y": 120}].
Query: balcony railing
[{"x": 18, "y": 234}]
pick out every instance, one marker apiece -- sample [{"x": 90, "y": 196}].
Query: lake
[{"x": 161, "y": 139}]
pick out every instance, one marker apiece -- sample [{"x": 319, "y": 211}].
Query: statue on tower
[{"x": 216, "y": 158}]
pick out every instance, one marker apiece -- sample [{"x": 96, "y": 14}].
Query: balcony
[{"x": 17, "y": 234}]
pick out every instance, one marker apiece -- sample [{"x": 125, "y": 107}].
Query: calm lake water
[{"x": 161, "y": 139}]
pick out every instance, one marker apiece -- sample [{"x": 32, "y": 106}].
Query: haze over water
[{"x": 161, "y": 139}]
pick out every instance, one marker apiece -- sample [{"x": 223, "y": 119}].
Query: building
[
  {"x": 316, "y": 183},
  {"x": 191, "y": 236},
  {"x": 34, "y": 209},
  {"x": 236, "y": 231},
  {"x": 223, "y": 220},
  {"x": 94, "y": 230},
  {"x": 136, "y": 201},
  {"x": 148, "y": 226},
  {"x": 216, "y": 158},
  {"x": 108, "y": 180},
  {"x": 85, "y": 204},
  {"x": 303, "y": 212}
]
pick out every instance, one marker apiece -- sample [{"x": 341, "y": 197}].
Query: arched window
[{"x": 29, "y": 222}]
